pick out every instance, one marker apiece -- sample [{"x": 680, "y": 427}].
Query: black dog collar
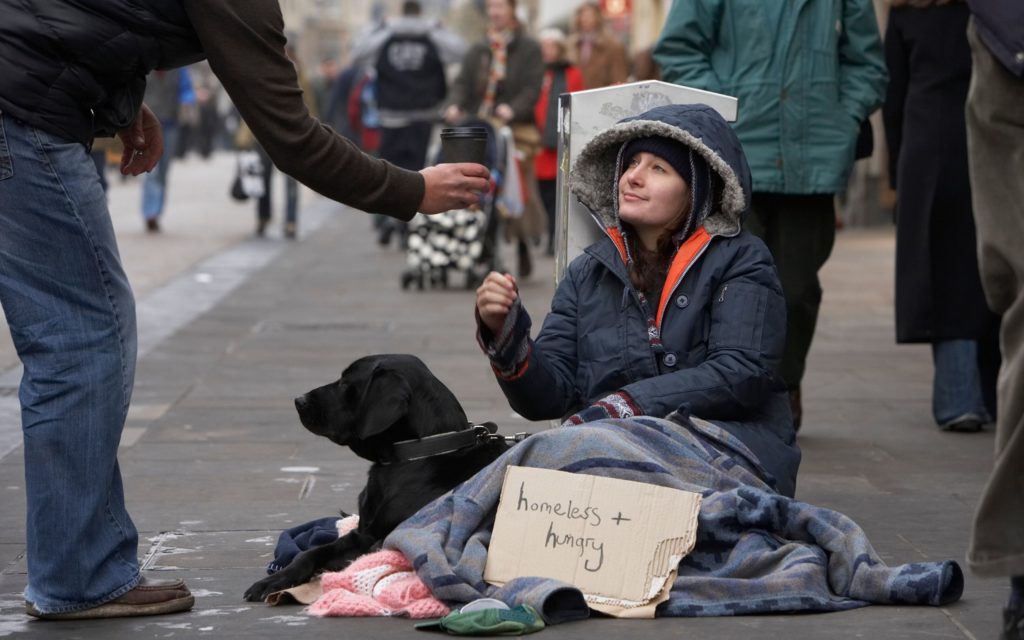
[{"x": 442, "y": 443}]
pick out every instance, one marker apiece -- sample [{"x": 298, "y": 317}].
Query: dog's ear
[{"x": 385, "y": 402}]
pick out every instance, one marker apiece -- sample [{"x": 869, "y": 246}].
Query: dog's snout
[{"x": 309, "y": 415}]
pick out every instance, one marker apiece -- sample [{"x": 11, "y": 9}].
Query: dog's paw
[{"x": 259, "y": 591}]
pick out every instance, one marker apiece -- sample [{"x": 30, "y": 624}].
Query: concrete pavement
[{"x": 216, "y": 464}]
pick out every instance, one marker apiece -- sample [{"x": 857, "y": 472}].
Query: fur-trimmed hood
[{"x": 595, "y": 174}]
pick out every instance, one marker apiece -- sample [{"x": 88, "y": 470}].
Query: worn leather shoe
[
  {"x": 149, "y": 598},
  {"x": 967, "y": 423}
]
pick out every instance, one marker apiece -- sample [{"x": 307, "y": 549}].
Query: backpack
[
  {"x": 363, "y": 117},
  {"x": 410, "y": 75}
]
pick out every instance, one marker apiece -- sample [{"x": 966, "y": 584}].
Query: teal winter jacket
[{"x": 806, "y": 73}]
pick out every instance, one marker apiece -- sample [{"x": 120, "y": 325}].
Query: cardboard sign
[{"x": 617, "y": 541}]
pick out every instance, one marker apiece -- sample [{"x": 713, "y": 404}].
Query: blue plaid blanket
[{"x": 756, "y": 551}]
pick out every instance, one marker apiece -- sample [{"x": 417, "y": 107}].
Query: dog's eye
[{"x": 349, "y": 393}]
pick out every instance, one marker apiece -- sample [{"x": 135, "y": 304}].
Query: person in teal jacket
[{"x": 807, "y": 74}]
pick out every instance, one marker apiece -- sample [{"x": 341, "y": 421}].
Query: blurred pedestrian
[
  {"x": 208, "y": 126},
  {"x": 939, "y": 298},
  {"x": 597, "y": 52},
  {"x": 559, "y": 77},
  {"x": 409, "y": 54},
  {"x": 69, "y": 72},
  {"x": 644, "y": 67},
  {"x": 995, "y": 147},
  {"x": 321, "y": 83},
  {"x": 167, "y": 93},
  {"x": 265, "y": 203},
  {"x": 806, "y": 76},
  {"x": 352, "y": 107},
  {"x": 500, "y": 79},
  {"x": 335, "y": 112}
]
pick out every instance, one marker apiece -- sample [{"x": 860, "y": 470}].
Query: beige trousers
[{"x": 995, "y": 139}]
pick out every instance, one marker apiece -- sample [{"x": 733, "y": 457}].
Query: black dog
[{"x": 391, "y": 410}]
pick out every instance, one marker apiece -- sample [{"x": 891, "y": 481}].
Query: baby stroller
[{"x": 461, "y": 240}]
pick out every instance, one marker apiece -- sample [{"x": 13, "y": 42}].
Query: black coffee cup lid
[{"x": 464, "y": 132}]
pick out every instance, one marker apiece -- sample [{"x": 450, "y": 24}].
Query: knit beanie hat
[{"x": 675, "y": 153}]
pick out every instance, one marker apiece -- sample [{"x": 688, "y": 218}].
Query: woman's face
[
  {"x": 500, "y": 15},
  {"x": 587, "y": 19},
  {"x": 550, "y": 50},
  {"x": 651, "y": 196}
]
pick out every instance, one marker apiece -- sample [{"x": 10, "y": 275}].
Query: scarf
[{"x": 498, "y": 42}]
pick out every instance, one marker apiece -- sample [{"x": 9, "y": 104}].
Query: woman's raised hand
[{"x": 494, "y": 299}]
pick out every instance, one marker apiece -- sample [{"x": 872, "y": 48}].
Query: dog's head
[{"x": 380, "y": 400}]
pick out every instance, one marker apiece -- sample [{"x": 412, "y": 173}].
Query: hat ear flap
[{"x": 386, "y": 402}]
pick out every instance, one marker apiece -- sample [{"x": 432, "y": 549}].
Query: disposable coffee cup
[{"x": 464, "y": 144}]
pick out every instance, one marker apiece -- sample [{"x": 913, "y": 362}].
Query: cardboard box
[{"x": 618, "y": 541}]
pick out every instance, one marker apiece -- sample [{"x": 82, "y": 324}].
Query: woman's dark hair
[{"x": 648, "y": 269}]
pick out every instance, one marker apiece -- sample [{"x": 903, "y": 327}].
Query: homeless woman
[{"x": 676, "y": 311}]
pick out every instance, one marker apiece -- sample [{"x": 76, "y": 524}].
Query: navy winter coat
[{"x": 712, "y": 347}]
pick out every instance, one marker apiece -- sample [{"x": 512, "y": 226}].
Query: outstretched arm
[{"x": 244, "y": 41}]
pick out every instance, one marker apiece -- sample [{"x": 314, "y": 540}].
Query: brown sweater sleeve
[{"x": 244, "y": 42}]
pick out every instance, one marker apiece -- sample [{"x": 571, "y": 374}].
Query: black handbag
[
  {"x": 250, "y": 174},
  {"x": 237, "y": 191}
]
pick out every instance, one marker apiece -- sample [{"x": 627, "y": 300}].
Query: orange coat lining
[{"x": 687, "y": 253}]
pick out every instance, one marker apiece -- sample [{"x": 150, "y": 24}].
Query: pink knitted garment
[
  {"x": 348, "y": 523},
  {"x": 377, "y": 584}
]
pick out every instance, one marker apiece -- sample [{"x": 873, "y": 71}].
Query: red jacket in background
[{"x": 546, "y": 161}]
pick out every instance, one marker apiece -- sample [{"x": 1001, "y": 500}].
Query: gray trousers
[{"x": 995, "y": 139}]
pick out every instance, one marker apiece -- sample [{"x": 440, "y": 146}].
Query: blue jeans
[
  {"x": 72, "y": 317},
  {"x": 956, "y": 388},
  {"x": 154, "y": 183}
]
